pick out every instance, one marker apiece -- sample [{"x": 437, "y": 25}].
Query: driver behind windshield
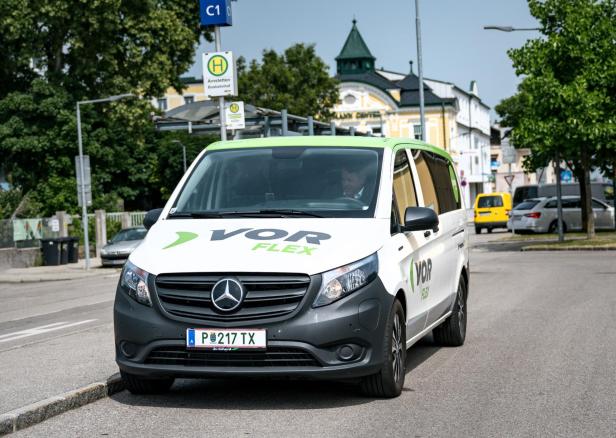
[{"x": 355, "y": 181}]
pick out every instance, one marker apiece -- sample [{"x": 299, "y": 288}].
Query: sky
[{"x": 456, "y": 48}]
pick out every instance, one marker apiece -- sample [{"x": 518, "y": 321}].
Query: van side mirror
[
  {"x": 420, "y": 219},
  {"x": 151, "y": 217}
]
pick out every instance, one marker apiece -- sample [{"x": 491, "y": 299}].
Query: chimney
[{"x": 411, "y": 63}]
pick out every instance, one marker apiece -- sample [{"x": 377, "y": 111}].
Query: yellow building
[
  {"x": 172, "y": 99},
  {"x": 387, "y": 103}
]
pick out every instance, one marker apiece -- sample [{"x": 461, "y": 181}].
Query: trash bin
[
  {"x": 63, "y": 250},
  {"x": 51, "y": 252},
  {"x": 73, "y": 249}
]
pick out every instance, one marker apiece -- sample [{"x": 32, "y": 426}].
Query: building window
[
  {"x": 476, "y": 160},
  {"x": 417, "y": 132},
  {"x": 162, "y": 104},
  {"x": 189, "y": 99},
  {"x": 349, "y": 99}
]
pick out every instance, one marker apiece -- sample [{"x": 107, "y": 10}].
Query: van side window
[
  {"x": 404, "y": 189},
  {"x": 437, "y": 182}
]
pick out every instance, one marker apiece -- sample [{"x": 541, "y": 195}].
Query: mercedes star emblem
[{"x": 227, "y": 295}]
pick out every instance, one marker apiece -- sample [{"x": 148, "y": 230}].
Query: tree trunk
[
  {"x": 580, "y": 175},
  {"x": 587, "y": 203}
]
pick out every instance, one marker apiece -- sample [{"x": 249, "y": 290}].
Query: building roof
[
  {"x": 355, "y": 47},
  {"x": 370, "y": 78}
]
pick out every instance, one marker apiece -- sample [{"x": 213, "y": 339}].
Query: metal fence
[{"x": 27, "y": 233}]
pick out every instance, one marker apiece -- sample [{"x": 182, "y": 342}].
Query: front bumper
[{"x": 357, "y": 320}]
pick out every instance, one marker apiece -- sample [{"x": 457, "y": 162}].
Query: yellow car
[{"x": 492, "y": 211}]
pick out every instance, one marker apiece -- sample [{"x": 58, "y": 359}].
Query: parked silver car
[
  {"x": 540, "y": 215},
  {"x": 116, "y": 252}
]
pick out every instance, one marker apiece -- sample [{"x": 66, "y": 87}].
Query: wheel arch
[{"x": 401, "y": 296}]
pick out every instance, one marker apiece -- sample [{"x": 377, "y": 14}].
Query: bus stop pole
[{"x": 221, "y": 100}]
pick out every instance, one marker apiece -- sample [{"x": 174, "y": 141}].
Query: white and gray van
[{"x": 308, "y": 257}]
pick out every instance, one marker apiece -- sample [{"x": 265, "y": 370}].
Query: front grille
[
  {"x": 273, "y": 357},
  {"x": 267, "y": 295}
]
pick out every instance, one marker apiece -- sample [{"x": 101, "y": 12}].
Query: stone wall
[{"x": 19, "y": 257}]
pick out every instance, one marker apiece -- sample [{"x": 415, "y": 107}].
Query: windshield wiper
[
  {"x": 195, "y": 215},
  {"x": 278, "y": 212}
]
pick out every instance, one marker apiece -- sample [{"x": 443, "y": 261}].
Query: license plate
[
  {"x": 223, "y": 339},
  {"x": 484, "y": 213}
]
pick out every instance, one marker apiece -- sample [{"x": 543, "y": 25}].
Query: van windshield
[{"x": 282, "y": 182}]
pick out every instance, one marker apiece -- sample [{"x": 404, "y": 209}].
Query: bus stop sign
[{"x": 215, "y": 12}]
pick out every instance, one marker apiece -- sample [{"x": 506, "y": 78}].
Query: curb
[
  {"x": 40, "y": 411},
  {"x": 17, "y": 278},
  {"x": 570, "y": 248}
]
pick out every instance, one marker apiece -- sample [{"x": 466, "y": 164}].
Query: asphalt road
[
  {"x": 539, "y": 360},
  {"x": 55, "y": 336}
]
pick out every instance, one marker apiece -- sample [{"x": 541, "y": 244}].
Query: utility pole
[
  {"x": 422, "y": 113},
  {"x": 82, "y": 173},
  {"x": 221, "y": 100}
]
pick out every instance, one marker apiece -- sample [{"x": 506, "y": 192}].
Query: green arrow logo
[{"x": 183, "y": 237}]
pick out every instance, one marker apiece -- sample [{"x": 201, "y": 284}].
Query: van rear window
[{"x": 490, "y": 201}]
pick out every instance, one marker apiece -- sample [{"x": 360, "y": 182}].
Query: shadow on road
[{"x": 273, "y": 394}]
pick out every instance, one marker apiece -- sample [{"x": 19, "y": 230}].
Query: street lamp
[
  {"x": 84, "y": 207},
  {"x": 422, "y": 113},
  {"x": 559, "y": 204},
  {"x": 183, "y": 151},
  {"x": 511, "y": 28}
]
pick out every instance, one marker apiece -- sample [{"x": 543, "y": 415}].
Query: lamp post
[
  {"x": 422, "y": 111},
  {"x": 559, "y": 203},
  {"x": 84, "y": 206},
  {"x": 183, "y": 152}
]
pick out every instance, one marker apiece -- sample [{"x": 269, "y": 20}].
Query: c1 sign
[
  {"x": 219, "y": 75},
  {"x": 215, "y": 12}
]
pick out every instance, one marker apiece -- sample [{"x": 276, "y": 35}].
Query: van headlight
[
  {"x": 340, "y": 282},
  {"x": 135, "y": 282}
]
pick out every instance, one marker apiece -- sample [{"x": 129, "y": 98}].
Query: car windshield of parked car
[
  {"x": 490, "y": 201},
  {"x": 130, "y": 234},
  {"x": 282, "y": 182},
  {"x": 526, "y": 205}
]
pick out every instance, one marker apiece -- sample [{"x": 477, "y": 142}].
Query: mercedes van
[{"x": 304, "y": 257}]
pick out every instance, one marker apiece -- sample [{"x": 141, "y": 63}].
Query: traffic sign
[
  {"x": 88, "y": 179},
  {"x": 566, "y": 176},
  {"x": 219, "y": 74},
  {"x": 215, "y": 12},
  {"x": 235, "y": 115},
  {"x": 509, "y": 179}
]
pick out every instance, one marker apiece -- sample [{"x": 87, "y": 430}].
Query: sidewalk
[{"x": 71, "y": 271}]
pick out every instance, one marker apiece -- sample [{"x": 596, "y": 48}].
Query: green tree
[
  {"x": 566, "y": 100},
  {"x": 58, "y": 52},
  {"x": 297, "y": 80}
]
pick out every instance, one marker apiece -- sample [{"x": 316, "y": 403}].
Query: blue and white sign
[
  {"x": 215, "y": 12},
  {"x": 566, "y": 176}
]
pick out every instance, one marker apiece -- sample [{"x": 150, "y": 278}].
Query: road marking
[{"x": 40, "y": 330}]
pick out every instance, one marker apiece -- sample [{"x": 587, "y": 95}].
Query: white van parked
[{"x": 318, "y": 257}]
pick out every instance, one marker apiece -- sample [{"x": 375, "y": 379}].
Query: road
[
  {"x": 55, "y": 336},
  {"x": 539, "y": 360}
]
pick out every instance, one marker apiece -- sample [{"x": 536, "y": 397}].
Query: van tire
[
  {"x": 387, "y": 383},
  {"x": 140, "y": 385},
  {"x": 452, "y": 332},
  {"x": 477, "y": 230}
]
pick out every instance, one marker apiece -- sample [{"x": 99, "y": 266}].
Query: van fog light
[{"x": 342, "y": 281}]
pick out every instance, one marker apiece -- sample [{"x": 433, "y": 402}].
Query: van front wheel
[{"x": 388, "y": 382}]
